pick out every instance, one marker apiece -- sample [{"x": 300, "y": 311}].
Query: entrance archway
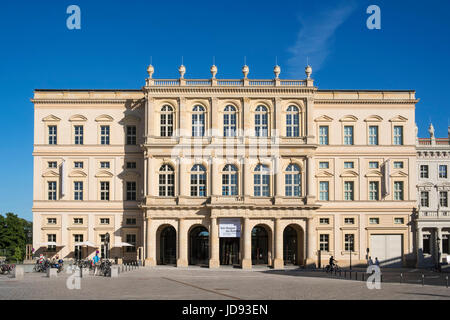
[
  {"x": 199, "y": 246},
  {"x": 168, "y": 246},
  {"x": 293, "y": 236},
  {"x": 260, "y": 245}
]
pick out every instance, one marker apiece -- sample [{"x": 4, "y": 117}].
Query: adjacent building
[
  {"x": 226, "y": 172},
  {"x": 432, "y": 223}
]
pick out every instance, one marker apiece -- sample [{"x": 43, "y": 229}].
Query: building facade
[
  {"x": 432, "y": 223},
  {"x": 226, "y": 172}
]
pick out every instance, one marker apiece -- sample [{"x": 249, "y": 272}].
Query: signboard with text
[{"x": 230, "y": 228}]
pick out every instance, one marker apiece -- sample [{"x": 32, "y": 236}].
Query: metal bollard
[
  {"x": 446, "y": 280},
  {"x": 401, "y": 277},
  {"x": 423, "y": 280}
]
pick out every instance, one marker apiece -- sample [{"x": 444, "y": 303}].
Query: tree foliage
[{"x": 14, "y": 233}]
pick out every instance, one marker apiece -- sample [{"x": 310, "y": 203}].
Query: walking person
[
  {"x": 370, "y": 261},
  {"x": 377, "y": 263},
  {"x": 96, "y": 260}
]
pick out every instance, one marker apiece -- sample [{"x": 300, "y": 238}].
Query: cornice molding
[
  {"x": 84, "y": 101},
  {"x": 366, "y": 101},
  {"x": 234, "y": 90}
]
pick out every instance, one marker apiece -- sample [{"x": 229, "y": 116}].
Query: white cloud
[{"x": 314, "y": 37}]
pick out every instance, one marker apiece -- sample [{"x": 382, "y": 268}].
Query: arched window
[
  {"x": 292, "y": 122},
  {"x": 261, "y": 181},
  {"x": 261, "y": 122},
  {"x": 198, "y": 121},
  {"x": 166, "y": 181},
  {"x": 166, "y": 121},
  {"x": 229, "y": 180},
  {"x": 198, "y": 181},
  {"x": 293, "y": 187},
  {"x": 229, "y": 121}
]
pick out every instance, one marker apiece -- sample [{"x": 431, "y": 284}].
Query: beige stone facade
[{"x": 300, "y": 173}]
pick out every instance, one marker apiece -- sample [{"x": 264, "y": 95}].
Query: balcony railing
[
  {"x": 434, "y": 214},
  {"x": 226, "y": 83}
]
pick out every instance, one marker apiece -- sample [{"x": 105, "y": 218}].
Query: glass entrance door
[
  {"x": 290, "y": 246},
  {"x": 229, "y": 251},
  {"x": 199, "y": 246},
  {"x": 168, "y": 246},
  {"x": 260, "y": 245}
]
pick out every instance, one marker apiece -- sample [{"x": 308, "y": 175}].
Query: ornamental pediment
[
  {"x": 104, "y": 118},
  {"x": 373, "y": 118},
  {"x": 348, "y": 118},
  {"x": 50, "y": 174},
  {"x": 77, "y": 174},
  {"x": 398, "y": 118},
  {"x": 77, "y": 117},
  {"x": 398, "y": 174},
  {"x": 323, "y": 118},
  {"x": 129, "y": 174},
  {"x": 349, "y": 173},
  {"x": 130, "y": 119},
  {"x": 374, "y": 173},
  {"x": 104, "y": 174},
  {"x": 324, "y": 174},
  {"x": 51, "y": 118}
]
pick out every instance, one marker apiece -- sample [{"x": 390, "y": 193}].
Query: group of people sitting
[{"x": 370, "y": 262}]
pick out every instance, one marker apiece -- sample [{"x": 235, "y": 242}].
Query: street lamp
[
  {"x": 351, "y": 248},
  {"x": 107, "y": 245}
]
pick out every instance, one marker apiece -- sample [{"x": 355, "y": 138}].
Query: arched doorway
[
  {"x": 290, "y": 246},
  {"x": 199, "y": 246},
  {"x": 168, "y": 246},
  {"x": 260, "y": 245}
]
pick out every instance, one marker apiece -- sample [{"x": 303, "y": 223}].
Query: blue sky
[{"x": 117, "y": 39}]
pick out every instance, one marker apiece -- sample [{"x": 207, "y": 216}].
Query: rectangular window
[
  {"x": 324, "y": 242},
  {"x": 104, "y": 190},
  {"x": 131, "y": 165},
  {"x": 349, "y": 220},
  {"x": 78, "y": 238},
  {"x": 373, "y": 190},
  {"x": 398, "y": 164},
  {"x": 104, "y": 220},
  {"x": 349, "y": 165},
  {"x": 373, "y": 165},
  {"x": 373, "y": 135},
  {"x": 77, "y": 220},
  {"x": 78, "y": 190},
  {"x": 52, "y": 190},
  {"x": 348, "y": 135},
  {"x": 131, "y": 221},
  {"x": 53, "y": 164},
  {"x": 104, "y": 165},
  {"x": 349, "y": 242},
  {"x": 424, "y": 199},
  {"x": 52, "y": 135},
  {"x": 424, "y": 171},
  {"x": 398, "y": 135},
  {"x": 324, "y": 220},
  {"x": 131, "y": 239},
  {"x": 131, "y": 190},
  {"x": 443, "y": 199},
  {"x": 78, "y": 164},
  {"x": 399, "y": 220},
  {"x": 324, "y": 165},
  {"x": 324, "y": 187},
  {"x": 78, "y": 134},
  {"x": 104, "y": 135},
  {"x": 131, "y": 135},
  {"x": 323, "y": 135},
  {"x": 426, "y": 244},
  {"x": 445, "y": 244},
  {"x": 374, "y": 220},
  {"x": 398, "y": 190},
  {"x": 51, "y": 220},
  {"x": 443, "y": 172},
  {"x": 51, "y": 238},
  {"x": 348, "y": 190}
]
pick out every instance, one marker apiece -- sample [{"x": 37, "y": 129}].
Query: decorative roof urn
[
  {"x": 213, "y": 71},
  {"x": 308, "y": 71},
  {"x": 277, "y": 71},
  {"x": 245, "y": 71},
  {"x": 150, "y": 71},
  {"x": 182, "y": 71}
]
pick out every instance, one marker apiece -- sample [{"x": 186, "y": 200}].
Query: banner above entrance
[{"x": 230, "y": 228}]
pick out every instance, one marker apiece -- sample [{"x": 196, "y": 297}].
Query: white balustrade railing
[
  {"x": 434, "y": 214},
  {"x": 224, "y": 83}
]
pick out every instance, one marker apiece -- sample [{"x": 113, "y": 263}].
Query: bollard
[
  {"x": 362, "y": 277},
  {"x": 446, "y": 280},
  {"x": 18, "y": 272},
  {"x": 401, "y": 277},
  {"x": 52, "y": 273},
  {"x": 350, "y": 275},
  {"x": 114, "y": 272},
  {"x": 423, "y": 280}
]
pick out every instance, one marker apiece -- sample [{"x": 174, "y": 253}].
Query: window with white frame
[
  {"x": 324, "y": 190},
  {"x": 131, "y": 221},
  {"x": 398, "y": 190},
  {"x": 373, "y": 135},
  {"x": 51, "y": 247},
  {"x": 349, "y": 165},
  {"x": 424, "y": 199},
  {"x": 398, "y": 164},
  {"x": 131, "y": 190},
  {"x": 292, "y": 122},
  {"x": 324, "y": 220},
  {"x": 104, "y": 221},
  {"x": 443, "y": 199},
  {"x": 373, "y": 165},
  {"x": 229, "y": 180},
  {"x": 52, "y": 164},
  {"x": 52, "y": 135},
  {"x": 131, "y": 239},
  {"x": 293, "y": 181},
  {"x": 198, "y": 181},
  {"x": 131, "y": 135},
  {"x": 323, "y": 135},
  {"x": 442, "y": 171},
  {"x": 373, "y": 190},
  {"x": 398, "y": 135},
  {"x": 78, "y": 190},
  {"x": 426, "y": 243},
  {"x": 349, "y": 220},
  {"x": 104, "y": 190},
  {"x": 78, "y": 164},
  {"x": 198, "y": 121},
  {"x": 398, "y": 220},
  {"x": 324, "y": 242},
  {"x": 77, "y": 220},
  {"x": 166, "y": 121},
  {"x": 348, "y": 135},
  {"x": 349, "y": 242},
  {"x": 78, "y": 239},
  {"x": 166, "y": 181},
  {"x": 104, "y": 135},
  {"x": 324, "y": 165},
  {"x": 374, "y": 220},
  {"x": 229, "y": 121},
  {"x": 78, "y": 134},
  {"x": 261, "y": 181},
  {"x": 349, "y": 190},
  {"x": 51, "y": 190},
  {"x": 424, "y": 171},
  {"x": 261, "y": 122},
  {"x": 51, "y": 220},
  {"x": 131, "y": 164},
  {"x": 104, "y": 165}
]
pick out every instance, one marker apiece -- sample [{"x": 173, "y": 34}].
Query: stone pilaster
[{"x": 247, "y": 258}]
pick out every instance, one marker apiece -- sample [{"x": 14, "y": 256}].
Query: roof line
[{"x": 102, "y": 90}]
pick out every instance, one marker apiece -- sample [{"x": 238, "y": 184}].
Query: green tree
[
  {"x": 18, "y": 255},
  {"x": 14, "y": 233}
]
